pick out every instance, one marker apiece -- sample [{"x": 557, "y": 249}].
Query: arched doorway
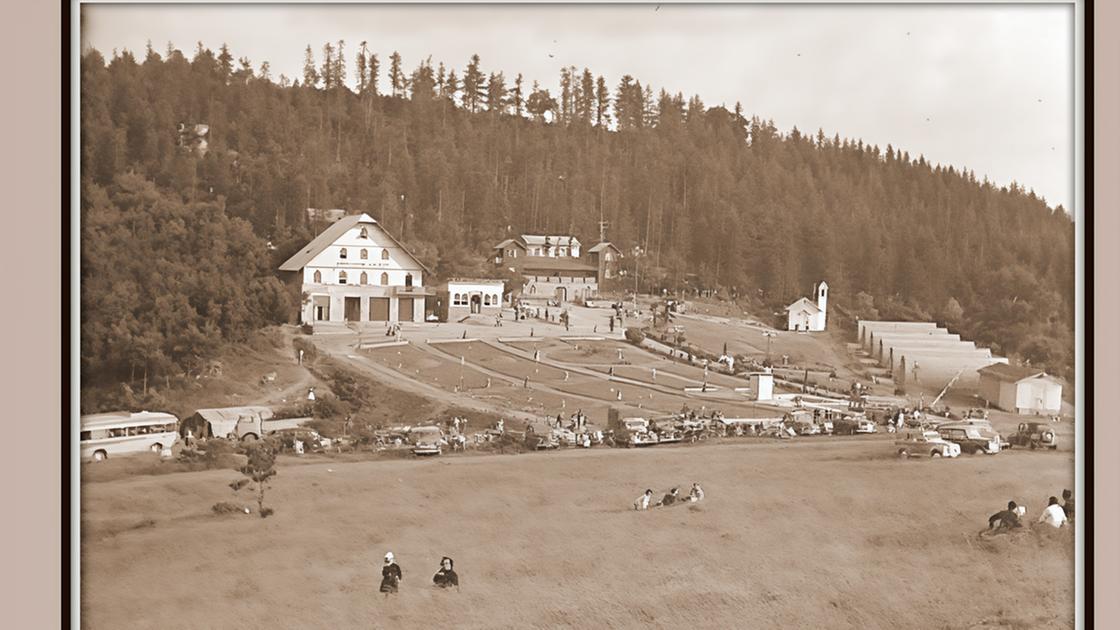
[
  {"x": 476, "y": 304},
  {"x": 561, "y": 294}
]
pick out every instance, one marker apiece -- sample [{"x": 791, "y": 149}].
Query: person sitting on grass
[
  {"x": 1067, "y": 504},
  {"x": 1005, "y": 520},
  {"x": 446, "y": 576},
  {"x": 642, "y": 502},
  {"x": 668, "y": 499},
  {"x": 1053, "y": 515},
  {"x": 696, "y": 493},
  {"x": 390, "y": 575}
]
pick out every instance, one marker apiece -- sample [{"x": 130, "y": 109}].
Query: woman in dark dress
[
  {"x": 390, "y": 575},
  {"x": 446, "y": 576}
]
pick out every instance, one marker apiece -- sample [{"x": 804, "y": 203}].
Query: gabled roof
[
  {"x": 537, "y": 239},
  {"x": 806, "y": 302},
  {"x": 335, "y": 231},
  {"x": 1011, "y": 373},
  {"x": 509, "y": 241},
  {"x": 601, "y": 246}
]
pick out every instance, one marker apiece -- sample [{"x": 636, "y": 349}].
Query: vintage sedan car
[
  {"x": 970, "y": 438},
  {"x": 427, "y": 440},
  {"x": 1034, "y": 435},
  {"x": 926, "y": 443},
  {"x": 863, "y": 425}
]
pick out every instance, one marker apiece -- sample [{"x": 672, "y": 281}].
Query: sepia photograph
[{"x": 665, "y": 315}]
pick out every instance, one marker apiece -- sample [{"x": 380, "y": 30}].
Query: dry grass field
[{"x": 831, "y": 533}]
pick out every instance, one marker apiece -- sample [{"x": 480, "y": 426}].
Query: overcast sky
[{"x": 985, "y": 87}]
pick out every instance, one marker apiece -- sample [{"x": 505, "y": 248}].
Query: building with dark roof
[
  {"x": 553, "y": 267},
  {"x": 355, "y": 271}
]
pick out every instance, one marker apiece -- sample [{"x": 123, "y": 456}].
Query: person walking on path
[{"x": 390, "y": 575}]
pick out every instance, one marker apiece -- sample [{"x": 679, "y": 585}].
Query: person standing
[
  {"x": 1067, "y": 504},
  {"x": 446, "y": 576},
  {"x": 1053, "y": 515},
  {"x": 390, "y": 575}
]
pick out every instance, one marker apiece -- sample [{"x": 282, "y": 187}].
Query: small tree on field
[{"x": 259, "y": 469}]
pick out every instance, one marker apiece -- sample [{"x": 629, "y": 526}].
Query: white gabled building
[
  {"x": 355, "y": 271},
  {"x": 805, "y": 315}
]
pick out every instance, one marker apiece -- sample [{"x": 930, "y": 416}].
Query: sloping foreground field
[{"x": 791, "y": 535}]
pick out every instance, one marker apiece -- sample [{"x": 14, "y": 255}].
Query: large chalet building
[
  {"x": 554, "y": 269},
  {"x": 355, "y": 271}
]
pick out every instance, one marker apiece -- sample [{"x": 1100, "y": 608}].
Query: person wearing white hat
[{"x": 390, "y": 575}]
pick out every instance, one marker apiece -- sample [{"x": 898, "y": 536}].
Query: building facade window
[
  {"x": 342, "y": 277},
  {"x": 407, "y": 279},
  {"x": 384, "y": 254},
  {"x": 384, "y": 279},
  {"x": 342, "y": 253},
  {"x": 364, "y": 254},
  {"x": 364, "y": 233},
  {"x": 364, "y": 278},
  {"x": 318, "y": 277},
  {"x": 486, "y": 300},
  {"x": 607, "y": 257}
]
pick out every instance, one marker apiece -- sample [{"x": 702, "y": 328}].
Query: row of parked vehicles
[{"x": 973, "y": 434}]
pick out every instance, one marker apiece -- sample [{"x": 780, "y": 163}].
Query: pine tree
[
  {"x": 496, "y": 93},
  {"x": 340, "y": 65},
  {"x": 225, "y": 62},
  {"x": 374, "y": 70},
  {"x": 363, "y": 71},
  {"x": 585, "y": 105},
  {"x": 602, "y": 103},
  {"x": 310, "y": 75},
  {"x": 472, "y": 85},
  {"x": 327, "y": 70},
  {"x": 396, "y": 76},
  {"x": 518, "y": 99}
]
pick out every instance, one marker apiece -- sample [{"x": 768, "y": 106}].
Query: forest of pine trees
[{"x": 179, "y": 250}]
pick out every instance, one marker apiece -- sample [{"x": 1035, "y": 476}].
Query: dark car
[
  {"x": 970, "y": 439},
  {"x": 1034, "y": 435}
]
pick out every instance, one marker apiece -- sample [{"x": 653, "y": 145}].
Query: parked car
[
  {"x": 926, "y": 443},
  {"x": 427, "y": 440},
  {"x": 312, "y": 441},
  {"x": 970, "y": 438},
  {"x": 1034, "y": 435},
  {"x": 863, "y": 425}
]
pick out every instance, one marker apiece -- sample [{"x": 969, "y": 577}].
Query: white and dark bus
[{"x": 122, "y": 433}]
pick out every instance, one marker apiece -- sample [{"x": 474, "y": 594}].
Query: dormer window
[
  {"x": 384, "y": 254},
  {"x": 364, "y": 233},
  {"x": 408, "y": 280},
  {"x": 364, "y": 254},
  {"x": 342, "y": 277},
  {"x": 342, "y": 253}
]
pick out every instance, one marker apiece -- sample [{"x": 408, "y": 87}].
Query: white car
[
  {"x": 865, "y": 426},
  {"x": 927, "y": 443}
]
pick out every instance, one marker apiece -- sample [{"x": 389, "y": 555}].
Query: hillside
[{"x": 714, "y": 198}]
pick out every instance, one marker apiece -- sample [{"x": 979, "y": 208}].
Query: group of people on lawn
[
  {"x": 1054, "y": 515},
  {"x": 672, "y": 497}
]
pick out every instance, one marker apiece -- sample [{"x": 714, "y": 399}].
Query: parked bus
[{"x": 121, "y": 433}]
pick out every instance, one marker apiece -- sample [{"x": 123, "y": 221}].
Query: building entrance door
[
  {"x": 476, "y": 304},
  {"x": 379, "y": 309},
  {"x": 353, "y": 309},
  {"x": 561, "y": 294},
  {"x": 405, "y": 311}
]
